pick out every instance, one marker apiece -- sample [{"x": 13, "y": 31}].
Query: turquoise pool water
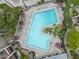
[{"x": 37, "y": 39}]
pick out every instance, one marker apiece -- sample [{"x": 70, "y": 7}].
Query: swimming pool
[{"x": 36, "y": 38}]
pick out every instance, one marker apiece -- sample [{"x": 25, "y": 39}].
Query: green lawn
[
  {"x": 75, "y": 2},
  {"x": 73, "y": 36},
  {"x": 67, "y": 16},
  {"x": 73, "y": 39},
  {"x": 8, "y": 19}
]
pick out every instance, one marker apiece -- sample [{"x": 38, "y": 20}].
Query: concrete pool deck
[{"x": 28, "y": 20}]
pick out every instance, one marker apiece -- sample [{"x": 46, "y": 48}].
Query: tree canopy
[
  {"x": 8, "y": 19},
  {"x": 73, "y": 39}
]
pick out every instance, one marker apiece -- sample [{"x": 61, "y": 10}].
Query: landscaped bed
[{"x": 73, "y": 35}]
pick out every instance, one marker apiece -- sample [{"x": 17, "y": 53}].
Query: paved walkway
[
  {"x": 2, "y": 42},
  {"x": 66, "y": 43}
]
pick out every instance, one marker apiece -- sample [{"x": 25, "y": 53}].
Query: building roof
[
  {"x": 61, "y": 56},
  {"x": 76, "y": 20},
  {"x": 15, "y": 3},
  {"x": 2, "y": 1}
]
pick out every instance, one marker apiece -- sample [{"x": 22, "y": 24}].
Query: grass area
[
  {"x": 8, "y": 19},
  {"x": 73, "y": 39},
  {"x": 69, "y": 12},
  {"x": 73, "y": 36},
  {"x": 68, "y": 23},
  {"x": 67, "y": 16},
  {"x": 75, "y": 2}
]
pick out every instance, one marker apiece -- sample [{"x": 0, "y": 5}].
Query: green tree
[
  {"x": 73, "y": 39},
  {"x": 9, "y": 19}
]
